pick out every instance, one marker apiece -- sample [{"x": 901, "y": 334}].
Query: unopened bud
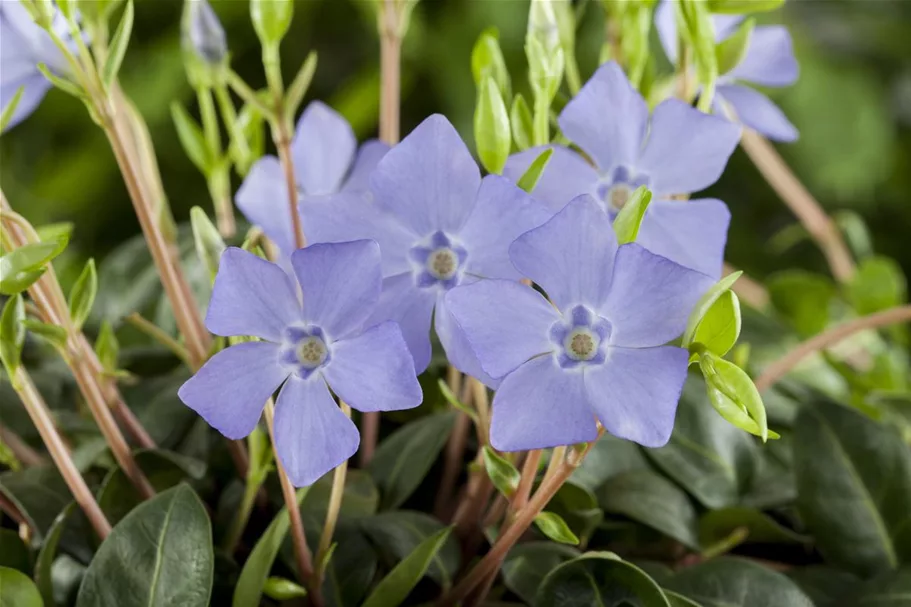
[{"x": 204, "y": 32}]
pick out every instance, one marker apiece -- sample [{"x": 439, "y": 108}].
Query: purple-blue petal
[
  {"x": 566, "y": 175},
  {"x": 769, "y": 60},
  {"x": 501, "y": 214},
  {"x": 402, "y": 301},
  {"x": 34, "y": 86},
  {"x": 651, "y": 298},
  {"x": 341, "y": 284},
  {"x": 505, "y": 322},
  {"x": 540, "y": 405},
  {"x": 692, "y": 233},
  {"x": 322, "y": 150},
  {"x": 374, "y": 371},
  {"x": 686, "y": 150},
  {"x": 251, "y": 296},
  {"x": 635, "y": 393},
  {"x": 455, "y": 343},
  {"x": 368, "y": 156},
  {"x": 429, "y": 180},
  {"x": 312, "y": 435},
  {"x": 263, "y": 199},
  {"x": 756, "y": 111},
  {"x": 230, "y": 390},
  {"x": 666, "y": 24},
  {"x": 607, "y": 119},
  {"x": 571, "y": 255}
]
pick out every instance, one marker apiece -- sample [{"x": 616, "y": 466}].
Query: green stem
[
  {"x": 542, "y": 121},
  {"x": 335, "y": 505},
  {"x": 726, "y": 544},
  {"x": 160, "y": 336},
  {"x": 232, "y": 124}
]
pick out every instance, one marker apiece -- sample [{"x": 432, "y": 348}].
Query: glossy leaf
[
  {"x": 608, "y": 457},
  {"x": 578, "y": 507},
  {"x": 502, "y": 473},
  {"x": 854, "y": 488},
  {"x": 360, "y": 498},
  {"x": 599, "y": 578},
  {"x": 720, "y": 327},
  {"x": 528, "y": 563},
  {"x": 395, "y": 587},
  {"x": 397, "y": 534},
  {"x": 118, "y": 47},
  {"x": 22, "y": 266},
  {"x": 554, "y": 527},
  {"x": 826, "y": 586},
  {"x": 48, "y": 554},
  {"x": 533, "y": 173},
  {"x": 630, "y": 217},
  {"x": 891, "y": 589},
  {"x": 39, "y": 493},
  {"x": 82, "y": 296},
  {"x": 170, "y": 536},
  {"x": 734, "y": 395},
  {"x": 716, "y": 525},
  {"x": 353, "y": 566},
  {"x": 732, "y": 581},
  {"x": 17, "y": 590},
  {"x": 491, "y": 127}
]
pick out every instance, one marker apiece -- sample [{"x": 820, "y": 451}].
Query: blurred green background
[{"x": 852, "y": 105}]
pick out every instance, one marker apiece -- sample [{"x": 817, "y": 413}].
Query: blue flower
[
  {"x": 680, "y": 150},
  {"x": 326, "y": 161},
  {"x": 769, "y": 61},
  {"x": 23, "y": 45},
  {"x": 310, "y": 349},
  {"x": 596, "y": 351},
  {"x": 438, "y": 225}
]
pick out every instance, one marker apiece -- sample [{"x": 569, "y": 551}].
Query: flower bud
[
  {"x": 204, "y": 33},
  {"x": 271, "y": 19}
]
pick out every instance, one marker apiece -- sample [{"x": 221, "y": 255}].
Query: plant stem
[
  {"x": 282, "y": 139},
  {"x": 390, "y": 30},
  {"x": 38, "y": 411},
  {"x": 526, "y": 480},
  {"x": 452, "y": 458},
  {"x": 334, "y": 507},
  {"x": 229, "y": 117},
  {"x": 219, "y": 181},
  {"x": 775, "y": 371},
  {"x": 153, "y": 331}
]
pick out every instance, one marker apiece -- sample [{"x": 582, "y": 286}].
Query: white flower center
[
  {"x": 581, "y": 344},
  {"x": 443, "y": 263},
  {"x": 311, "y": 352},
  {"x": 618, "y": 196}
]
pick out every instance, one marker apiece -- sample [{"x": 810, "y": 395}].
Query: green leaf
[
  {"x": 854, "y": 487},
  {"x": 522, "y": 123},
  {"x": 654, "y": 501},
  {"x": 878, "y": 284},
  {"x": 554, "y": 527},
  {"x": 631, "y": 214},
  {"x": 19, "y": 282},
  {"x": 48, "y": 554},
  {"x": 578, "y": 506},
  {"x": 803, "y": 298},
  {"x": 397, "y": 534},
  {"x": 503, "y": 475},
  {"x": 300, "y": 85},
  {"x": 608, "y": 457},
  {"x": 730, "y": 581},
  {"x": 39, "y": 493},
  {"x": 731, "y": 51},
  {"x": 533, "y": 173},
  {"x": 734, "y": 395},
  {"x": 10, "y": 108},
  {"x": 118, "y": 46},
  {"x": 827, "y": 586},
  {"x": 528, "y": 563},
  {"x": 13, "y": 553},
  {"x": 169, "y": 540},
  {"x": 209, "y": 243},
  {"x": 453, "y": 400},
  {"x": 360, "y": 498},
  {"x": 107, "y": 348},
  {"x": 82, "y": 297},
  {"x": 17, "y": 590},
  {"x": 491, "y": 127},
  {"x": 19, "y": 266},
  {"x": 352, "y": 569},
  {"x": 55, "y": 334},
  {"x": 487, "y": 62},
  {"x": 12, "y": 333},
  {"x": 395, "y": 587},
  {"x": 67, "y": 86},
  {"x": 720, "y": 327},
  {"x": 891, "y": 589},
  {"x": 192, "y": 139},
  {"x": 403, "y": 460},
  {"x": 704, "y": 304},
  {"x": 713, "y": 460},
  {"x": 716, "y": 525},
  {"x": 599, "y": 578},
  {"x": 281, "y": 589},
  {"x": 741, "y": 7}
]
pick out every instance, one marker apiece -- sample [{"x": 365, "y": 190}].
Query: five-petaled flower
[
  {"x": 326, "y": 343},
  {"x": 439, "y": 225},
  {"x": 23, "y": 45},
  {"x": 326, "y": 161},
  {"x": 597, "y": 350},
  {"x": 680, "y": 150},
  {"x": 769, "y": 61}
]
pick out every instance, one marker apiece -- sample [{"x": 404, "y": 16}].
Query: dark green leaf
[
  {"x": 630, "y": 217},
  {"x": 13, "y": 553},
  {"x": 395, "y": 587},
  {"x": 360, "y": 498},
  {"x": 82, "y": 297},
  {"x": 554, "y": 527},
  {"x": 397, "y": 534},
  {"x": 160, "y": 554},
  {"x": 716, "y": 525},
  {"x": 892, "y": 589},
  {"x": 608, "y": 457},
  {"x": 504, "y": 476},
  {"x": 118, "y": 46},
  {"x": 651, "y": 499},
  {"x": 854, "y": 487},
  {"x": 527, "y": 565},
  {"x": 599, "y": 578},
  {"x": 404, "y": 459},
  {"x": 17, "y": 590},
  {"x": 39, "y": 493},
  {"x": 532, "y": 174},
  {"x": 578, "y": 506},
  {"x": 352, "y": 568},
  {"x": 726, "y": 581},
  {"x": 48, "y": 553},
  {"x": 826, "y": 586}
]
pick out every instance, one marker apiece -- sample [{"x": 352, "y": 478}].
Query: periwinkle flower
[
  {"x": 204, "y": 32},
  {"x": 305, "y": 349},
  {"x": 23, "y": 45},
  {"x": 596, "y": 351},
  {"x": 326, "y": 161},
  {"x": 769, "y": 61},
  {"x": 678, "y": 151},
  {"x": 439, "y": 225}
]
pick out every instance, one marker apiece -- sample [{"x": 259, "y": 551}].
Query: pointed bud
[{"x": 204, "y": 32}]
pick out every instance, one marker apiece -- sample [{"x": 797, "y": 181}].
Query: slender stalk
[
  {"x": 19, "y": 448},
  {"x": 283, "y": 142},
  {"x": 334, "y": 507},
  {"x": 153, "y": 331},
  {"x": 455, "y": 450},
  {"x": 229, "y": 117},
  {"x": 390, "y": 30},
  {"x": 38, "y": 411},
  {"x": 775, "y": 371}
]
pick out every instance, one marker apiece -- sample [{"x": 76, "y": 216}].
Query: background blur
[{"x": 852, "y": 105}]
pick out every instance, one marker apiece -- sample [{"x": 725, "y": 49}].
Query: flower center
[
  {"x": 442, "y": 263},
  {"x": 438, "y": 261},
  {"x": 618, "y": 196},
  {"x": 580, "y": 337},
  {"x": 311, "y": 352},
  {"x": 582, "y": 344},
  {"x": 305, "y": 349}
]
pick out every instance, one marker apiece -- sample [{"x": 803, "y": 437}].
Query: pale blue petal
[
  {"x": 607, "y": 119},
  {"x": 666, "y": 25},
  {"x": 651, "y": 298},
  {"x": 505, "y": 322},
  {"x": 251, "y": 296},
  {"x": 635, "y": 392},
  {"x": 341, "y": 284},
  {"x": 566, "y": 175},
  {"x": 757, "y": 111},
  {"x": 571, "y": 256},
  {"x": 692, "y": 233},
  {"x": 368, "y": 157},
  {"x": 312, "y": 435},
  {"x": 231, "y": 389},
  {"x": 263, "y": 199},
  {"x": 374, "y": 371},
  {"x": 429, "y": 180},
  {"x": 502, "y": 213},
  {"x": 34, "y": 87},
  {"x": 457, "y": 347},
  {"x": 322, "y": 150},
  {"x": 686, "y": 150},
  {"x": 402, "y": 301},
  {"x": 769, "y": 60},
  {"x": 540, "y": 405}
]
